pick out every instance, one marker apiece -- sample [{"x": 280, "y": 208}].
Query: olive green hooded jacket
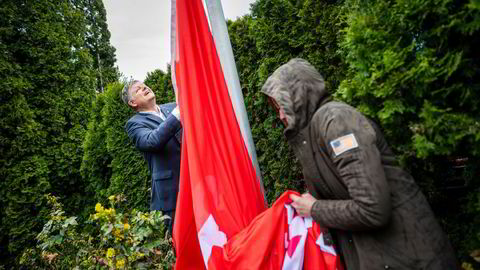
[{"x": 376, "y": 212}]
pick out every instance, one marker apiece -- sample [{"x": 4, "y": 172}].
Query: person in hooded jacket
[{"x": 376, "y": 213}]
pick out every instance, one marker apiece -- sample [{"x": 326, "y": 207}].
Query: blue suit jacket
[{"x": 159, "y": 141}]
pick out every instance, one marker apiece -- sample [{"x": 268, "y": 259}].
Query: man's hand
[
  {"x": 176, "y": 97},
  {"x": 176, "y": 113},
  {"x": 303, "y": 205}
]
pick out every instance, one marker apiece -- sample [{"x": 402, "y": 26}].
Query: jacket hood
[{"x": 299, "y": 89}]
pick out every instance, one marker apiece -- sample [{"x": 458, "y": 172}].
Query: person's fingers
[
  {"x": 294, "y": 197},
  {"x": 307, "y": 195}
]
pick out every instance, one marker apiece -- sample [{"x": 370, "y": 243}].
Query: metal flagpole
[{"x": 225, "y": 53}]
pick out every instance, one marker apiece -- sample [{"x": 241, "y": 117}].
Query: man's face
[
  {"x": 279, "y": 111},
  {"x": 141, "y": 95}
]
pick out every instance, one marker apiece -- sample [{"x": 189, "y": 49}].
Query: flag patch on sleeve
[{"x": 343, "y": 144}]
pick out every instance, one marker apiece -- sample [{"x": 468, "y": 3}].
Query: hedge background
[{"x": 411, "y": 65}]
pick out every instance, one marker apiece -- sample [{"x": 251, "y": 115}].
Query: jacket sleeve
[
  {"x": 146, "y": 139},
  {"x": 360, "y": 168}
]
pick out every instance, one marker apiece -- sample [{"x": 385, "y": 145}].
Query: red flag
[
  {"x": 221, "y": 220},
  {"x": 217, "y": 179},
  {"x": 277, "y": 239}
]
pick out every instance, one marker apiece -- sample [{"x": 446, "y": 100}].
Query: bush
[
  {"x": 413, "y": 68},
  {"x": 275, "y": 32},
  {"x": 107, "y": 240}
]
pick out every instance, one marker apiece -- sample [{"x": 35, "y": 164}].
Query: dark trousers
[{"x": 168, "y": 222}]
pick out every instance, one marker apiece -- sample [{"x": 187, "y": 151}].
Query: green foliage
[
  {"x": 161, "y": 83},
  {"x": 108, "y": 240},
  {"x": 413, "y": 67},
  {"x": 97, "y": 40},
  {"x": 275, "y": 32},
  {"x": 46, "y": 90},
  {"x": 410, "y": 65},
  {"x": 95, "y": 168}
]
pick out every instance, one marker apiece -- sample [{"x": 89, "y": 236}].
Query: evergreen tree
[
  {"x": 95, "y": 169},
  {"x": 97, "y": 40},
  {"x": 46, "y": 90},
  {"x": 275, "y": 32},
  {"x": 410, "y": 65},
  {"x": 413, "y": 67},
  {"x": 161, "y": 83}
]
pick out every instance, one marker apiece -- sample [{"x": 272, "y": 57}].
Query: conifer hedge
[{"x": 410, "y": 65}]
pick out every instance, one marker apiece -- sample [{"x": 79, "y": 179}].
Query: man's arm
[
  {"x": 350, "y": 143},
  {"x": 146, "y": 139}
]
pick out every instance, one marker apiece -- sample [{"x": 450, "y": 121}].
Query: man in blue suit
[{"x": 156, "y": 132}]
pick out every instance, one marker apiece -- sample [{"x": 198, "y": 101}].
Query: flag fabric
[
  {"x": 219, "y": 192},
  {"x": 221, "y": 218},
  {"x": 277, "y": 239},
  {"x": 225, "y": 54}
]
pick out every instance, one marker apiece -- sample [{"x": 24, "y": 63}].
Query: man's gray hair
[{"x": 126, "y": 96}]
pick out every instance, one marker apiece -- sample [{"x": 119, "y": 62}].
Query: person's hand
[
  {"x": 303, "y": 205},
  {"x": 176, "y": 96},
  {"x": 176, "y": 113}
]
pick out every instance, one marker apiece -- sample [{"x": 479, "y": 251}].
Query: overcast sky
[{"x": 141, "y": 32}]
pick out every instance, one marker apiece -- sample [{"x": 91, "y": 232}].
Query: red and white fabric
[{"x": 221, "y": 218}]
